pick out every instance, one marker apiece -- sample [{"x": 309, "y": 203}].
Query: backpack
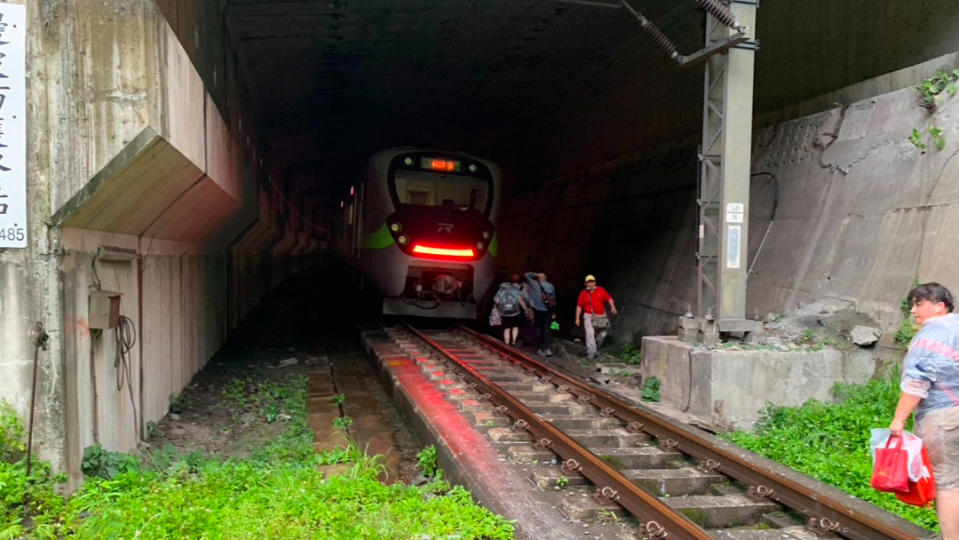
[
  {"x": 507, "y": 302},
  {"x": 549, "y": 300}
]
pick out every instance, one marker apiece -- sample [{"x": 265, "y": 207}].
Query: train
[{"x": 420, "y": 226}]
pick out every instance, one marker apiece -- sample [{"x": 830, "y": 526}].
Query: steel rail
[
  {"x": 826, "y": 514},
  {"x": 658, "y": 519}
]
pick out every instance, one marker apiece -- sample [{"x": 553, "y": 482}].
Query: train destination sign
[
  {"x": 13, "y": 127},
  {"x": 437, "y": 164}
]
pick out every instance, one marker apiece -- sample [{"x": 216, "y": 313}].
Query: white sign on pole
[
  {"x": 733, "y": 245},
  {"x": 735, "y": 212},
  {"x": 13, "y": 126}
]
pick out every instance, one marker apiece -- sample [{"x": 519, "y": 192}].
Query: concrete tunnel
[{"x": 191, "y": 156}]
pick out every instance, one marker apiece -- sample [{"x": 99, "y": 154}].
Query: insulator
[
  {"x": 660, "y": 38},
  {"x": 721, "y": 12}
]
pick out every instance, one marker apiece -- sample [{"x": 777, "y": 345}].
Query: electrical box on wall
[{"x": 104, "y": 310}]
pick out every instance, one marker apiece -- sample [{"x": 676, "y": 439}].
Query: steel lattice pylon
[{"x": 723, "y": 194}]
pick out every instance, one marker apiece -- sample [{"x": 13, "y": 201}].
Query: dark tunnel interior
[{"x": 547, "y": 89}]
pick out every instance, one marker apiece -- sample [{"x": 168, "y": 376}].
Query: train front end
[{"x": 433, "y": 249}]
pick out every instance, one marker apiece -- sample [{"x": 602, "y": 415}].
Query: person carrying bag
[
  {"x": 930, "y": 387},
  {"x": 890, "y": 469},
  {"x": 901, "y": 466}
]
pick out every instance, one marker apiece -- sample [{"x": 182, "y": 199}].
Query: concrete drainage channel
[
  {"x": 343, "y": 405},
  {"x": 531, "y": 475}
]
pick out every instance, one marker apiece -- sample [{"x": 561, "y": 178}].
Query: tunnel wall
[
  {"x": 859, "y": 218},
  {"x": 133, "y": 165},
  {"x": 285, "y": 233}
]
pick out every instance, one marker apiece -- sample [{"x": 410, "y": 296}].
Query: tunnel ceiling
[
  {"x": 449, "y": 73},
  {"x": 560, "y": 82}
]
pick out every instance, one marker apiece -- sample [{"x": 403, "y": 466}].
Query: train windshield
[{"x": 428, "y": 189}]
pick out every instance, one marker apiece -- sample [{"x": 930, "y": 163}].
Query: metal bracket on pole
[{"x": 710, "y": 50}]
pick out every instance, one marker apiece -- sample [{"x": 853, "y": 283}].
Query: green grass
[
  {"x": 279, "y": 492},
  {"x": 22, "y": 496},
  {"x": 287, "y": 500},
  {"x": 830, "y": 442}
]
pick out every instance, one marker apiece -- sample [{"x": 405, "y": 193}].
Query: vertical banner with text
[{"x": 13, "y": 127}]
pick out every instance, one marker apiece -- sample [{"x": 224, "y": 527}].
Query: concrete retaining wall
[{"x": 726, "y": 388}]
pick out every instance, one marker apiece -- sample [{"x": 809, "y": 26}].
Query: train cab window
[
  {"x": 416, "y": 197},
  {"x": 426, "y": 189}
]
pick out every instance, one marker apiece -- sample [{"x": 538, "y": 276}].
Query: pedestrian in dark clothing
[
  {"x": 510, "y": 304},
  {"x": 542, "y": 298}
]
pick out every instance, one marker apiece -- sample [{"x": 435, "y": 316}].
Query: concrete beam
[{"x": 133, "y": 190}]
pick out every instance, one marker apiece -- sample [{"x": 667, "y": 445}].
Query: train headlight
[
  {"x": 479, "y": 246},
  {"x": 408, "y": 161},
  {"x": 486, "y": 235},
  {"x": 472, "y": 167},
  {"x": 396, "y": 227},
  {"x": 403, "y": 239}
]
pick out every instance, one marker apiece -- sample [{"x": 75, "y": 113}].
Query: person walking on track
[
  {"x": 542, "y": 298},
  {"x": 591, "y": 307},
  {"x": 511, "y": 304}
]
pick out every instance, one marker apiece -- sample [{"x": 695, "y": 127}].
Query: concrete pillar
[{"x": 127, "y": 150}]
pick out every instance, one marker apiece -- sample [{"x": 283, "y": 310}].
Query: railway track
[{"x": 677, "y": 481}]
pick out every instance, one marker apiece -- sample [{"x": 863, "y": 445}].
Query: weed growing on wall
[
  {"x": 907, "y": 331},
  {"x": 830, "y": 442},
  {"x": 651, "y": 389},
  {"x": 932, "y": 92},
  {"x": 935, "y": 88},
  {"x": 908, "y": 327},
  {"x": 630, "y": 355},
  {"x": 12, "y": 446},
  {"x": 104, "y": 464},
  {"x": 426, "y": 461}
]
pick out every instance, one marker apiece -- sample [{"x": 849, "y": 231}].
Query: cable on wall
[{"x": 126, "y": 337}]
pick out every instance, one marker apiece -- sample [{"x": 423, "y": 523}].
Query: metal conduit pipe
[
  {"x": 658, "y": 36},
  {"x": 772, "y": 218},
  {"x": 722, "y": 14}
]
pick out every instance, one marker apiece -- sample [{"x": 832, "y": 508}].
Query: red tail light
[{"x": 452, "y": 252}]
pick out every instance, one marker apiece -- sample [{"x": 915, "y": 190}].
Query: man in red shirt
[{"x": 591, "y": 306}]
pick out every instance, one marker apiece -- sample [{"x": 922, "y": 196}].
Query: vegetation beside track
[
  {"x": 283, "y": 490},
  {"x": 830, "y": 442}
]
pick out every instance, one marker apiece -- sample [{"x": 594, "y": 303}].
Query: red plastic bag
[
  {"x": 890, "y": 472},
  {"x": 923, "y": 492}
]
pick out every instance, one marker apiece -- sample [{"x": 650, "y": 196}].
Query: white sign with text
[{"x": 13, "y": 127}]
